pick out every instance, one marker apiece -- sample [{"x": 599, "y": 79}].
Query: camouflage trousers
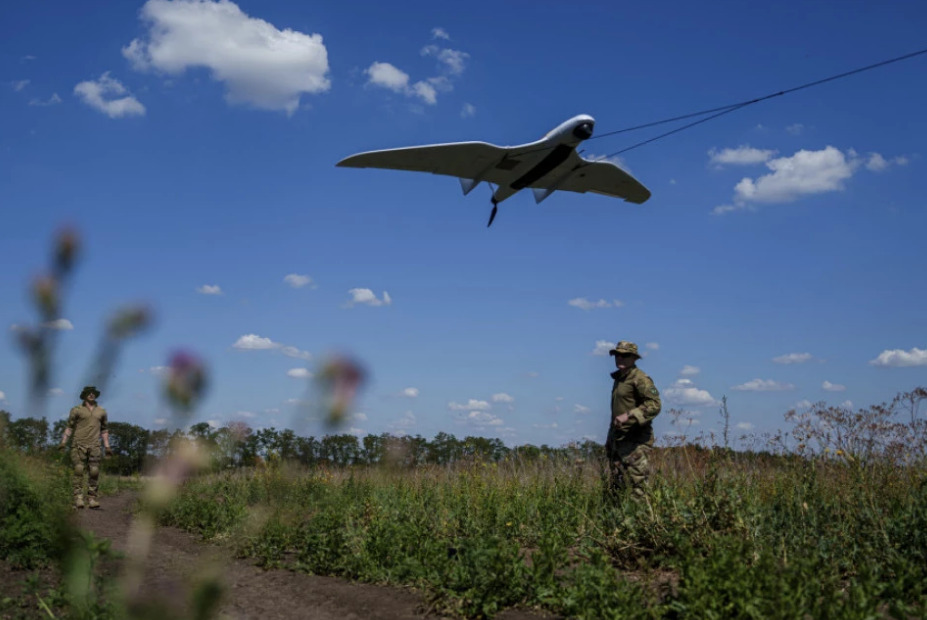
[
  {"x": 628, "y": 466},
  {"x": 85, "y": 459}
]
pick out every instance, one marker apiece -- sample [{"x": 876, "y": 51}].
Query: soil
[{"x": 249, "y": 591}]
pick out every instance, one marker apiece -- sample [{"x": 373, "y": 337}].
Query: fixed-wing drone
[{"x": 547, "y": 165}]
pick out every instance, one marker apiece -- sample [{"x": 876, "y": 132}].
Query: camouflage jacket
[
  {"x": 635, "y": 394},
  {"x": 87, "y": 425}
]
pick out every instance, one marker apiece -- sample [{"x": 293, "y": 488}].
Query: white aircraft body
[{"x": 547, "y": 165}]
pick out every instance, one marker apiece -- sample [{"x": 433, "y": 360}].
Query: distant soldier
[
  {"x": 635, "y": 403},
  {"x": 87, "y": 424}
]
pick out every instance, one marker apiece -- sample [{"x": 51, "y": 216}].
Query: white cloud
[
  {"x": 744, "y": 426},
  {"x": 581, "y": 409},
  {"x": 296, "y": 353},
  {"x": 472, "y": 404},
  {"x": 159, "y": 371},
  {"x": 59, "y": 325},
  {"x": 482, "y": 419},
  {"x": 803, "y": 404},
  {"x": 387, "y": 76},
  {"x": 833, "y": 387},
  {"x": 160, "y": 421},
  {"x": 299, "y": 373},
  {"x": 847, "y": 404},
  {"x": 367, "y": 297},
  {"x": 253, "y": 342},
  {"x": 18, "y": 85},
  {"x": 684, "y": 392},
  {"x": 741, "y": 156},
  {"x": 876, "y": 163},
  {"x": 2, "y": 396},
  {"x": 245, "y": 414},
  {"x": 359, "y": 417},
  {"x": 259, "y": 64},
  {"x": 502, "y": 397},
  {"x": 55, "y": 391},
  {"x": 468, "y": 110},
  {"x": 585, "y": 304},
  {"x": 104, "y": 95},
  {"x": 440, "y": 33},
  {"x": 407, "y": 421},
  {"x": 763, "y": 385},
  {"x": 897, "y": 358},
  {"x": 297, "y": 280},
  {"x": 602, "y": 347},
  {"x": 453, "y": 61},
  {"x": 409, "y": 392},
  {"x": 804, "y": 173},
  {"x": 653, "y": 346},
  {"x": 53, "y": 100},
  {"x": 795, "y": 129},
  {"x": 689, "y": 371},
  {"x": 793, "y": 358},
  {"x": 545, "y": 427},
  {"x": 209, "y": 289}
]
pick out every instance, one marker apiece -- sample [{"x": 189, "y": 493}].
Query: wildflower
[{"x": 186, "y": 381}]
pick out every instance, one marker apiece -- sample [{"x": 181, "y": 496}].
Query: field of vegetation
[{"x": 835, "y": 527}]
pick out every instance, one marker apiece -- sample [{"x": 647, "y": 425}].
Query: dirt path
[{"x": 251, "y": 592}]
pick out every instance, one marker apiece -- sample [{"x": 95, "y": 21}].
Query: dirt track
[{"x": 251, "y": 592}]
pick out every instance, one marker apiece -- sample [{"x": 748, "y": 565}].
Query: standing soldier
[
  {"x": 635, "y": 403},
  {"x": 87, "y": 423}
]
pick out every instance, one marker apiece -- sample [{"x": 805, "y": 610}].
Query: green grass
[{"x": 717, "y": 537}]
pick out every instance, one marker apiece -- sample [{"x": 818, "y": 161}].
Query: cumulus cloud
[
  {"x": 468, "y": 110},
  {"x": 744, "y": 426},
  {"x": 299, "y": 373},
  {"x": 472, "y": 404},
  {"x": 602, "y": 347},
  {"x": 897, "y": 358},
  {"x": 158, "y": 371},
  {"x": 763, "y": 385},
  {"x": 685, "y": 393},
  {"x": 59, "y": 325},
  {"x": 55, "y": 391},
  {"x": 209, "y": 289},
  {"x": 53, "y": 100},
  {"x": 502, "y": 397},
  {"x": 653, "y": 346},
  {"x": 367, "y": 297},
  {"x": 795, "y": 129},
  {"x": 253, "y": 342},
  {"x": 407, "y": 421},
  {"x": 18, "y": 85},
  {"x": 103, "y": 95},
  {"x": 689, "y": 371},
  {"x": 833, "y": 387},
  {"x": 296, "y": 353},
  {"x": 297, "y": 280},
  {"x": 741, "y": 156},
  {"x": 585, "y": 304},
  {"x": 482, "y": 419},
  {"x": 803, "y": 174},
  {"x": 451, "y": 64},
  {"x": 409, "y": 392},
  {"x": 580, "y": 409},
  {"x": 877, "y": 163},
  {"x": 440, "y": 33},
  {"x": 259, "y": 64},
  {"x": 2, "y": 396},
  {"x": 793, "y": 358}
]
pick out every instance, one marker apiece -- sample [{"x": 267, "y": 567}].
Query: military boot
[
  {"x": 78, "y": 501},
  {"x": 93, "y": 503}
]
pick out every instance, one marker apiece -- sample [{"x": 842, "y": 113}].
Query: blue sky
[{"x": 779, "y": 262}]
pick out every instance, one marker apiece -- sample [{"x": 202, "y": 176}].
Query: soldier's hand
[
  {"x": 62, "y": 447},
  {"x": 621, "y": 420},
  {"x": 109, "y": 452}
]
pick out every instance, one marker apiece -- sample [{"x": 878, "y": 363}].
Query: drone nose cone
[{"x": 583, "y": 131}]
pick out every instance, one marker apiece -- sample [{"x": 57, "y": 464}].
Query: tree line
[{"x": 237, "y": 445}]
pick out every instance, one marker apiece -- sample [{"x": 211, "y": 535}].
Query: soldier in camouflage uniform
[
  {"x": 87, "y": 424},
  {"x": 635, "y": 403}
]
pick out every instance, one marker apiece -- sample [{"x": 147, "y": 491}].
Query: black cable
[{"x": 736, "y": 106}]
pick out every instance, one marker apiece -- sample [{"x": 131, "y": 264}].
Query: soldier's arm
[
  {"x": 650, "y": 401},
  {"x": 104, "y": 431},
  {"x": 68, "y": 429}
]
